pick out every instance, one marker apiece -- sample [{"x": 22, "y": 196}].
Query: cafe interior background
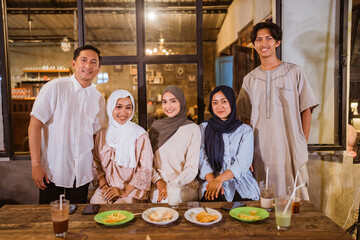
[{"x": 195, "y": 45}]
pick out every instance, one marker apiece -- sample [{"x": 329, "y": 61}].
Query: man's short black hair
[
  {"x": 86, "y": 47},
  {"x": 275, "y": 30}
]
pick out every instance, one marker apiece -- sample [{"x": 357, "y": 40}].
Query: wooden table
[{"x": 34, "y": 222}]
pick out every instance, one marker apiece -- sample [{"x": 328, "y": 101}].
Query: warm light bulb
[
  {"x": 161, "y": 40},
  {"x": 155, "y": 50},
  {"x": 164, "y": 50},
  {"x": 151, "y": 15}
]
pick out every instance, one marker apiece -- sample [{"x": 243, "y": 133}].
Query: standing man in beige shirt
[{"x": 277, "y": 101}]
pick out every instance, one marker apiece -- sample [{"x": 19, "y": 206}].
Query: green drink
[{"x": 283, "y": 220}]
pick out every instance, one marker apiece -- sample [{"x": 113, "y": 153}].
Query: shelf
[
  {"x": 47, "y": 71},
  {"x": 36, "y": 81}
]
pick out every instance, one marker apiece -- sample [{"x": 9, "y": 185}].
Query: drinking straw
[
  {"x": 267, "y": 178},
  {"x": 61, "y": 200},
  {"x": 163, "y": 176},
  {"x": 297, "y": 174},
  {"x": 292, "y": 195}
]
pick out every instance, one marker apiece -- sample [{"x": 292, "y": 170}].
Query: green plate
[
  {"x": 103, "y": 215},
  {"x": 246, "y": 211}
]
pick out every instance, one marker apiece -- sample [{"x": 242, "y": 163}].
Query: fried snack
[
  {"x": 160, "y": 215},
  {"x": 115, "y": 217},
  {"x": 205, "y": 217},
  {"x": 253, "y": 212},
  {"x": 249, "y": 217}
]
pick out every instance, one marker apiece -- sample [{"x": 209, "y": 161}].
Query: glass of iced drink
[
  {"x": 173, "y": 192},
  {"x": 267, "y": 195},
  {"x": 283, "y": 218},
  {"x": 295, "y": 200},
  {"x": 60, "y": 217}
]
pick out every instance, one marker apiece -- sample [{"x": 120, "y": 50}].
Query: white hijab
[{"x": 122, "y": 137}]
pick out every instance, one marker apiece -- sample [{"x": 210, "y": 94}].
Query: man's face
[
  {"x": 265, "y": 44},
  {"x": 86, "y": 66}
]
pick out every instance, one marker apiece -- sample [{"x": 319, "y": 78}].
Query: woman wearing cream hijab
[
  {"x": 122, "y": 155},
  {"x": 176, "y": 145}
]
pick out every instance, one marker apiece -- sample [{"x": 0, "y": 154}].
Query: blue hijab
[{"x": 214, "y": 143}]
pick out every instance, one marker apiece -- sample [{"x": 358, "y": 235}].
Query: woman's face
[
  {"x": 170, "y": 104},
  {"x": 123, "y": 110},
  {"x": 221, "y": 106}
]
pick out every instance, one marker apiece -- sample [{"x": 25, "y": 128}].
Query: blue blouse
[{"x": 238, "y": 156}]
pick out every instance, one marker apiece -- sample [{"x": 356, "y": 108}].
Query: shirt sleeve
[
  {"x": 142, "y": 175},
  {"x": 307, "y": 98},
  {"x": 191, "y": 166},
  {"x": 243, "y": 102},
  {"x": 244, "y": 155},
  {"x": 204, "y": 165},
  {"x": 44, "y": 105}
]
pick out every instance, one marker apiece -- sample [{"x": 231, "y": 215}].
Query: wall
[
  {"x": 334, "y": 182},
  {"x": 241, "y": 13}
]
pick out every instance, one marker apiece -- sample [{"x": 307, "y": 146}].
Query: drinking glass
[
  {"x": 173, "y": 191},
  {"x": 295, "y": 200},
  {"x": 60, "y": 217},
  {"x": 283, "y": 218},
  {"x": 267, "y": 195}
]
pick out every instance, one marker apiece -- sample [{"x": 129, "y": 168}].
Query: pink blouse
[{"x": 118, "y": 176}]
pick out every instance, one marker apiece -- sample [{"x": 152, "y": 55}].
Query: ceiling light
[{"x": 65, "y": 45}]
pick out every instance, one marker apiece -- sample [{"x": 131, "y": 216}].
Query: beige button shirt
[{"x": 71, "y": 115}]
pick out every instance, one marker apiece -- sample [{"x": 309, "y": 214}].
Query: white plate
[
  {"x": 145, "y": 215},
  {"x": 190, "y": 215}
]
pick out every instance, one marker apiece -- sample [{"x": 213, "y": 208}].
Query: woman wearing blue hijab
[{"x": 227, "y": 147}]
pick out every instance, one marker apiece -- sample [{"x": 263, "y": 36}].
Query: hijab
[
  {"x": 122, "y": 137},
  {"x": 214, "y": 143},
  {"x": 163, "y": 129}
]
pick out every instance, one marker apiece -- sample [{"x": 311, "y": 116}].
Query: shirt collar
[{"x": 78, "y": 86}]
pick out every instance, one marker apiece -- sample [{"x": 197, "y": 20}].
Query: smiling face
[
  {"x": 265, "y": 44},
  {"x": 86, "y": 67},
  {"x": 170, "y": 104},
  {"x": 123, "y": 110},
  {"x": 221, "y": 106}
]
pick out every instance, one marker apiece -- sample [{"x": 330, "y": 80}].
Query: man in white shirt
[{"x": 65, "y": 116}]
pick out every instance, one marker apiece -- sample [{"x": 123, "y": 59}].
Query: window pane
[
  {"x": 111, "y": 26},
  {"x": 111, "y": 78},
  {"x": 160, "y": 76},
  {"x": 170, "y": 28},
  {"x": 318, "y": 61},
  {"x": 40, "y": 50}
]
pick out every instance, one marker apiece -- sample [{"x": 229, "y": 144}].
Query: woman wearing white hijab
[{"x": 122, "y": 155}]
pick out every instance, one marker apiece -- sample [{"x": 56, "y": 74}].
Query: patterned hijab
[
  {"x": 122, "y": 137},
  {"x": 163, "y": 129},
  {"x": 214, "y": 143}
]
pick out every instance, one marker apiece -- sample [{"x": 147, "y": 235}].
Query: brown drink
[
  {"x": 60, "y": 217},
  {"x": 296, "y": 206},
  {"x": 60, "y": 226}
]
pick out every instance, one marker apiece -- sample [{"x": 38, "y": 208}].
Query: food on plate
[
  {"x": 253, "y": 212},
  {"x": 160, "y": 215},
  {"x": 249, "y": 217},
  {"x": 115, "y": 217},
  {"x": 205, "y": 217}
]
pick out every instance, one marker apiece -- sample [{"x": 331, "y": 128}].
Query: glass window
[
  {"x": 158, "y": 76},
  {"x": 111, "y": 26},
  {"x": 111, "y": 78},
  {"x": 40, "y": 49},
  {"x": 170, "y": 28}
]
